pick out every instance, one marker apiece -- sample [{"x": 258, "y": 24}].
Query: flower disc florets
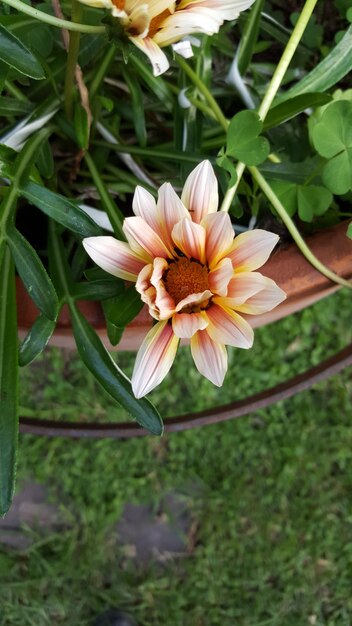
[{"x": 194, "y": 275}]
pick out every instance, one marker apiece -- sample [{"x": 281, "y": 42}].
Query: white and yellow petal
[
  {"x": 189, "y": 237},
  {"x": 209, "y": 356},
  {"x": 185, "y": 325},
  {"x": 219, "y": 278},
  {"x": 252, "y": 249},
  {"x": 154, "y": 358},
  {"x": 227, "y": 327},
  {"x": 263, "y": 301},
  {"x": 156, "y": 56},
  {"x": 142, "y": 238},
  {"x": 200, "y": 192},
  {"x": 219, "y": 237},
  {"x": 114, "y": 256}
]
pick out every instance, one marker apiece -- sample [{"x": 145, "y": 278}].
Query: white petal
[
  {"x": 144, "y": 206},
  {"x": 183, "y": 48},
  {"x": 244, "y": 285},
  {"x": 252, "y": 249},
  {"x": 99, "y": 217},
  {"x": 142, "y": 237},
  {"x": 156, "y": 56},
  {"x": 219, "y": 237},
  {"x": 200, "y": 193},
  {"x": 226, "y": 326},
  {"x": 194, "y": 299},
  {"x": 189, "y": 237},
  {"x": 220, "y": 277},
  {"x": 170, "y": 211},
  {"x": 263, "y": 301},
  {"x": 154, "y": 358},
  {"x": 186, "y": 324},
  {"x": 227, "y": 9},
  {"x": 210, "y": 357},
  {"x": 182, "y": 23},
  {"x": 114, "y": 256}
]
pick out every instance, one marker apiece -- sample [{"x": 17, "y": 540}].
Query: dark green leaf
[
  {"x": 243, "y": 142},
  {"x": 61, "y": 209},
  {"x": 249, "y": 37},
  {"x": 81, "y": 126},
  {"x": 36, "y": 340},
  {"x": 336, "y": 65},
  {"x": 312, "y": 201},
  {"x": 137, "y": 107},
  {"x": 8, "y": 383},
  {"x": 226, "y": 164},
  {"x": 33, "y": 273},
  {"x": 99, "y": 362},
  {"x": 122, "y": 309},
  {"x": 98, "y": 289},
  {"x": 16, "y": 55},
  {"x": 11, "y": 106},
  {"x": 45, "y": 161},
  {"x": 290, "y": 108}
]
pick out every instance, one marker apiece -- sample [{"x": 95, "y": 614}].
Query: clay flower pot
[{"x": 287, "y": 267}]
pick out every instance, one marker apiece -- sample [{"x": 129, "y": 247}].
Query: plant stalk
[
  {"x": 54, "y": 21},
  {"x": 72, "y": 56}
]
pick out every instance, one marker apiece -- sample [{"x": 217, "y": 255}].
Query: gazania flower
[
  {"x": 153, "y": 24},
  {"x": 195, "y": 277}
]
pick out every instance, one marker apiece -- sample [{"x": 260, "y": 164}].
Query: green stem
[
  {"x": 291, "y": 227},
  {"x": 54, "y": 21},
  {"x": 275, "y": 83},
  {"x": 286, "y": 58},
  {"x": 72, "y": 56},
  {"x": 204, "y": 91}
]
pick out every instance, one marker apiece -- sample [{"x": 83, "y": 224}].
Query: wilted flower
[
  {"x": 195, "y": 277},
  {"x": 153, "y": 24}
]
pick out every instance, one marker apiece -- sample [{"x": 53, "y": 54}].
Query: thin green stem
[
  {"x": 72, "y": 56},
  {"x": 286, "y": 58},
  {"x": 275, "y": 83},
  {"x": 291, "y": 227},
  {"x": 54, "y": 21},
  {"x": 204, "y": 91}
]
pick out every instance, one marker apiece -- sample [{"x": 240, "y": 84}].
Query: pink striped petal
[
  {"x": 200, "y": 193},
  {"x": 219, "y": 237},
  {"x": 114, "y": 256},
  {"x": 242, "y": 286},
  {"x": 210, "y": 357},
  {"x": 252, "y": 249},
  {"x": 194, "y": 299},
  {"x": 186, "y": 324},
  {"x": 170, "y": 211},
  {"x": 154, "y": 358},
  {"x": 220, "y": 277},
  {"x": 226, "y": 326},
  {"x": 144, "y": 206},
  {"x": 147, "y": 291},
  {"x": 263, "y": 301},
  {"x": 163, "y": 301},
  {"x": 142, "y": 238},
  {"x": 190, "y": 239}
]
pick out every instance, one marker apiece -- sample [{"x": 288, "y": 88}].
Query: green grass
[{"x": 270, "y": 494}]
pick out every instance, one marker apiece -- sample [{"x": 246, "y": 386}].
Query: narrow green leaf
[
  {"x": 11, "y": 106},
  {"x": 33, "y": 273},
  {"x": 45, "y": 161},
  {"x": 290, "y": 108},
  {"x": 98, "y": 289},
  {"x": 61, "y": 209},
  {"x": 16, "y": 55},
  {"x": 122, "y": 309},
  {"x": 8, "y": 383},
  {"x": 336, "y": 65},
  {"x": 99, "y": 362},
  {"x": 349, "y": 230},
  {"x": 137, "y": 107},
  {"x": 249, "y": 37},
  {"x": 36, "y": 340},
  {"x": 81, "y": 126}
]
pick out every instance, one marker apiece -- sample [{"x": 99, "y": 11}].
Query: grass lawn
[{"x": 269, "y": 494}]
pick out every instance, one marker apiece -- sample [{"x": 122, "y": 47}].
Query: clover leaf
[
  {"x": 308, "y": 200},
  {"x": 332, "y": 138},
  {"x": 243, "y": 142}
]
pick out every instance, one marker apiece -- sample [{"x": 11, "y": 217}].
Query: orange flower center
[
  {"x": 119, "y": 4},
  {"x": 185, "y": 277}
]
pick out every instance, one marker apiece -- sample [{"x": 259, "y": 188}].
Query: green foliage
[
  {"x": 36, "y": 340},
  {"x": 332, "y": 138},
  {"x": 308, "y": 201},
  {"x": 243, "y": 141},
  {"x": 15, "y": 54},
  {"x": 8, "y": 383}
]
